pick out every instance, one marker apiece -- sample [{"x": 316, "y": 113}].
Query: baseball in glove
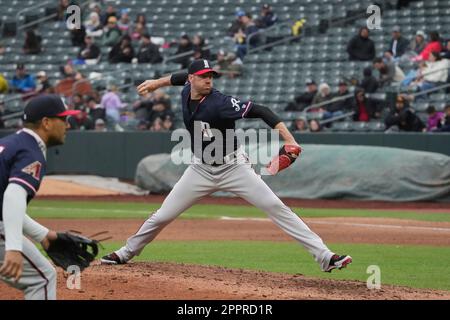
[
  {"x": 71, "y": 249},
  {"x": 286, "y": 157}
]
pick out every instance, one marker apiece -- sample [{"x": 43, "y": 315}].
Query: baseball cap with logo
[
  {"x": 201, "y": 66},
  {"x": 46, "y": 106}
]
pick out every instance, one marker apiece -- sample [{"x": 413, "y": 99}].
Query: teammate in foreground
[
  {"x": 22, "y": 167},
  {"x": 205, "y": 109}
]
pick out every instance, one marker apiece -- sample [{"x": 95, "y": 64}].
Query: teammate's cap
[
  {"x": 201, "y": 66},
  {"x": 396, "y": 29},
  {"x": 310, "y": 81},
  {"x": 46, "y": 106}
]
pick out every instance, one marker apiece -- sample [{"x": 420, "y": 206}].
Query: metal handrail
[
  {"x": 332, "y": 100},
  {"x": 343, "y": 116},
  {"x": 30, "y": 8},
  {"x": 276, "y": 26},
  {"x": 185, "y": 54},
  {"x": 447, "y": 85}
]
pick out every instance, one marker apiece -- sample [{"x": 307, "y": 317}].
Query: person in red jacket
[{"x": 434, "y": 45}]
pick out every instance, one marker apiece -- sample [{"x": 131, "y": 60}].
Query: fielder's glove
[
  {"x": 287, "y": 155},
  {"x": 71, "y": 249}
]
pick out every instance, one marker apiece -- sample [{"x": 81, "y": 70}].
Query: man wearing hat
[
  {"x": 268, "y": 18},
  {"x": 22, "y": 168},
  {"x": 22, "y": 82},
  {"x": 221, "y": 164},
  {"x": 305, "y": 99},
  {"x": 111, "y": 33},
  {"x": 398, "y": 44}
]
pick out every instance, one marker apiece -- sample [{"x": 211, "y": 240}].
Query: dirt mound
[{"x": 156, "y": 281}]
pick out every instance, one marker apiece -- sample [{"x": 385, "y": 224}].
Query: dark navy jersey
[
  {"x": 213, "y": 115},
  {"x": 21, "y": 161}
]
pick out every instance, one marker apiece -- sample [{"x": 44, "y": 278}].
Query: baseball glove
[
  {"x": 72, "y": 249},
  {"x": 286, "y": 156}
]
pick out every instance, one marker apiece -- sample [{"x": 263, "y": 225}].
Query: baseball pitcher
[{"x": 209, "y": 114}]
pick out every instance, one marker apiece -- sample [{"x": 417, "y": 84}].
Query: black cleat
[
  {"x": 111, "y": 259},
  {"x": 338, "y": 262}
]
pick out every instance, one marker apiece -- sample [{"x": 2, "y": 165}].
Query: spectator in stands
[
  {"x": 89, "y": 51},
  {"x": 2, "y": 48},
  {"x": 369, "y": 83},
  {"x": 249, "y": 31},
  {"x": 364, "y": 108},
  {"x": 95, "y": 110},
  {"x": 122, "y": 52},
  {"x": 148, "y": 51},
  {"x": 228, "y": 64},
  {"x": 111, "y": 33},
  {"x": 434, "y": 118},
  {"x": 3, "y": 84},
  {"x": 137, "y": 31},
  {"x": 446, "y": 53},
  {"x": 112, "y": 104},
  {"x": 100, "y": 125},
  {"x": 237, "y": 24},
  {"x": 305, "y": 99},
  {"x": 434, "y": 45},
  {"x": 434, "y": 73},
  {"x": 267, "y": 18},
  {"x": 160, "y": 110},
  {"x": 110, "y": 12},
  {"x": 94, "y": 27},
  {"x": 389, "y": 72},
  {"x": 68, "y": 71},
  {"x": 80, "y": 122},
  {"x": 43, "y": 83},
  {"x": 32, "y": 43},
  {"x": 403, "y": 118},
  {"x": 361, "y": 47},
  {"x": 340, "y": 105},
  {"x": 314, "y": 126},
  {"x": 199, "y": 47},
  {"x": 444, "y": 124},
  {"x": 167, "y": 123},
  {"x": 124, "y": 22},
  {"x": 418, "y": 43},
  {"x": 22, "y": 82},
  {"x": 398, "y": 44},
  {"x": 77, "y": 36},
  {"x": 62, "y": 9},
  {"x": 184, "y": 46},
  {"x": 299, "y": 125},
  {"x": 153, "y": 105},
  {"x": 76, "y": 102},
  {"x": 323, "y": 95},
  {"x": 156, "y": 125}
]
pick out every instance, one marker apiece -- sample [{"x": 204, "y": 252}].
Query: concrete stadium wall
[{"x": 116, "y": 154}]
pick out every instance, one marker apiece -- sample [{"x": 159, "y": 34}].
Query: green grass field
[
  {"x": 412, "y": 266},
  {"x": 122, "y": 210}
]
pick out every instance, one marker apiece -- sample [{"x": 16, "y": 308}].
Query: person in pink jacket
[{"x": 434, "y": 45}]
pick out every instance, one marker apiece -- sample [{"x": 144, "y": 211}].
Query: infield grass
[
  {"x": 124, "y": 210},
  {"x": 411, "y": 266}
]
